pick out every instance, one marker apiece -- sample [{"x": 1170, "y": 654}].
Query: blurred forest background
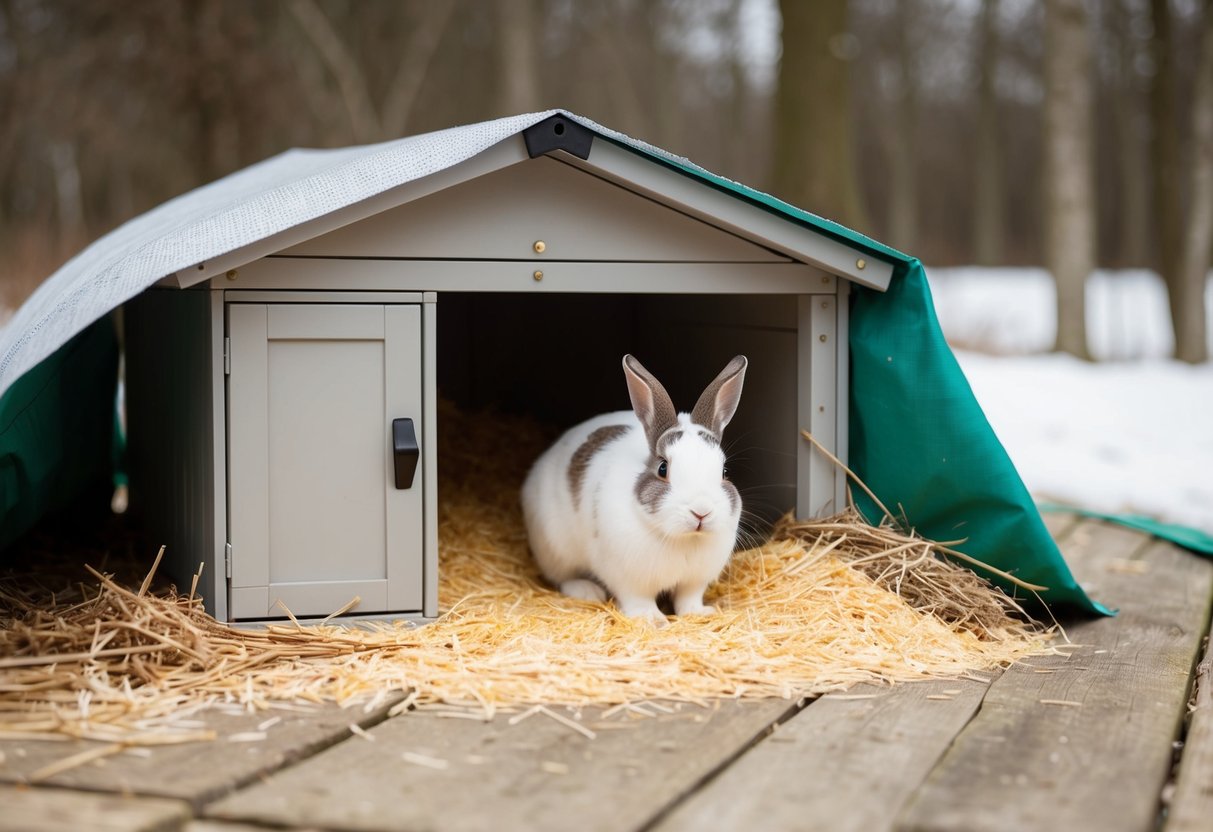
[{"x": 1070, "y": 133}]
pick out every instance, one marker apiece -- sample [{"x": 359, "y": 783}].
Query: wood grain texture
[
  {"x": 841, "y": 764},
  {"x": 224, "y": 826},
  {"x": 1060, "y": 524},
  {"x": 56, "y": 810},
  {"x": 1084, "y": 742},
  {"x": 422, "y": 771},
  {"x": 196, "y": 772},
  {"x": 1191, "y": 808}
]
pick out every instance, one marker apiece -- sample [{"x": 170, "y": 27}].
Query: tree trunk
[
  {"x": 1165, "y": 160},
  {"x": 989, "y": 193},
  {"x": 903, "y": 197},
  {"x": 1133, "y": 217},
  {"x": 814, "y": 146},
  {"x": 1188, "y": 291},
  {"x": 418, "y": 53},
  {"x": 1068, "y": 176},
  {"x": 518, "y": 42},
  {"x": 363, "y": 118}
]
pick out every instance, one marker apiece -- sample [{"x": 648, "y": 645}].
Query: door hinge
[
  {"x": 227, "y": 356},
  {"x": 227, "y": 560}
]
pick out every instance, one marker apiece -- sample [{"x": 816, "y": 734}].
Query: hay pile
[{"x": 109, "y": 662}]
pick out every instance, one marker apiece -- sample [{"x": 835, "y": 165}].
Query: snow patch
[{"x": 1116, "y": 436}]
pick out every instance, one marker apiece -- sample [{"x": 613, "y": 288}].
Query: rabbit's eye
[
  {"x": 663, "y": 469},
  {"x": 724, "y": 473}
]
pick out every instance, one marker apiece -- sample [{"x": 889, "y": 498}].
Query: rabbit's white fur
[{"x": 627, "y": 531}]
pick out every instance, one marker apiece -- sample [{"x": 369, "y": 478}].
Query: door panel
[{"x": 315, "y": 516}]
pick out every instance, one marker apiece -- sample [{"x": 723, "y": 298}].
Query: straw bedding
[{"x": 816, "y": 608}]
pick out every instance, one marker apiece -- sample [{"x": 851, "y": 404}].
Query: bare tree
[
  {"x": 1164, "y": 120},
  {"x": 1128, "y": 119},
  {"x": 814, "y": 148},
  {"x": 518, "y": 73},
  {"x": 389, "y": 120},
  {"x": 1189, "y": 286},
  {"x": 1068, "y": 174},
  {"x": 903, "y": 170},
  {"x": 988, "y": 181}
]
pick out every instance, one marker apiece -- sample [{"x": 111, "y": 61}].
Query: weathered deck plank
[
  {"x": 225, "y": 826},
  {"x": 1084, "y": 741},
  {"x": 57, "y": 810},
  {"x": 840, "y": 764},
  {"x": 426, "y": 772},
  {"x": 1191, "y": 808},
  {"x": 195, "y": 772},
  {"x": 843, "y": 763}
]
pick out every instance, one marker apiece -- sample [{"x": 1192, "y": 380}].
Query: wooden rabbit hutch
[{"x": 282, "y": 397}]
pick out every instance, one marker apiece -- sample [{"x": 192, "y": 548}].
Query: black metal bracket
[
  {"x": 558, "y": 132},
  {"x": 404, "y": 452}
]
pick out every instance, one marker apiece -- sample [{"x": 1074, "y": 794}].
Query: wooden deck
[{"x": 1091, "y": 741}]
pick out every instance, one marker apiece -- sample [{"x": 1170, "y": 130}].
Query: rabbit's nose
[{"x": 700, "y": 518}]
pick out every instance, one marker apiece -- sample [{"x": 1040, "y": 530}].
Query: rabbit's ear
[
  {"x": 650, "y": 401},
  {"x": 718, "y": 403}
]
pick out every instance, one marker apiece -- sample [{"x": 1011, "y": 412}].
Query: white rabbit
[{"x": 636, "y": 503}]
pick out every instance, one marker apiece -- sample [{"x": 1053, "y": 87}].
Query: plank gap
[{"x": 725, "y": 763}]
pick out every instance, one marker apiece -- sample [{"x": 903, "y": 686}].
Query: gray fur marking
[
  {"x": 664, "y": 416},
  {"x": 651, "y": 490},
  {"x": 705, "y": 412},
  {"x": 667, "y": 439},
  {"x": 580, "y": 461},
  {"x": 732, "y": 493}
]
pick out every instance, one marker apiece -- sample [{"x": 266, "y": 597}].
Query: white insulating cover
[{"x": 224, "y": 216}]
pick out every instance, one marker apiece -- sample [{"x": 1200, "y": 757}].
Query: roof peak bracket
[{"x": 558, "y": 132}]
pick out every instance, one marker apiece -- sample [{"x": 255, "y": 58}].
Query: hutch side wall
[{"x": 176, "y": 467}]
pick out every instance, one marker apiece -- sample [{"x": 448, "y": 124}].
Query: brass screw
[
  {"x": 861, "y": 264},
  {"x": 822, "y": 339},
  {"x": 231, "y": 274},
  {"x": 825, "y": 278},
  {"x": 538, "y": 275},
  {"x": 825, "y": 305},
  {"x": 540, "y": 246}
]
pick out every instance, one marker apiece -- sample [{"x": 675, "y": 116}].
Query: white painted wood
[
  {"x": 214, "y": 582},
  {"x": 429, "y": 451},
  {"x": 843, "y": 396},
  {"x": 823, "y": 386},
  {"x": 253, "y": 602},
  {"x": 731, "y": 213},
  {"x": 254, "y": 296},
  {"x": 324, "y": 597},
  {"x": 406, "y": 527},
  {"x": 325, "y": 432},
  {"x": 319, "y": 386},
  {"x": 321, "y": 274},
  {"x": 337, "y": 322},
  {"x": 501, "y": 215},
  {"x": 816, "y": 409},
  {"x": 248, "y": 451},
  {"x": 507, "y": 152}
]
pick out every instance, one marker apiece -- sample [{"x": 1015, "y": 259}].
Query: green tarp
[
  {"x": 56, "y": 430},
  {"x": 1186, "y": 536},
  {"x": 920, "y": 441}
]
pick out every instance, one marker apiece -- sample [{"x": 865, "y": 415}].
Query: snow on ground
[{"x": 1118, "y": 435}]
